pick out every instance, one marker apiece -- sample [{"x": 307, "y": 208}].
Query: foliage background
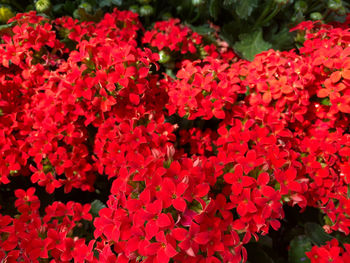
[{"x": 248, "y": 26}]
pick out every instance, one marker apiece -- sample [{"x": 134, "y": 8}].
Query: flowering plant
[{"x": 197, "y": 167}]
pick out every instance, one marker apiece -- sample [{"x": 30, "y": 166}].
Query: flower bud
[
  {"x": 334, "y": 5},
  {"x": 146, "y": 10},
  {"x": 300, "y": 6},
  {"x": 316, "y": 16},
  {"x": 86, "y": 6},
  {"x": 43, "y": 6}
]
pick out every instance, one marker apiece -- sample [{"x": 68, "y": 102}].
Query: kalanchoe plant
[{"x": 220, "y": 160}]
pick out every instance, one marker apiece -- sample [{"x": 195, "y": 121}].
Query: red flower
[
  {"x": 171, "y": 194},
  {"x": 164, "y": 248}
]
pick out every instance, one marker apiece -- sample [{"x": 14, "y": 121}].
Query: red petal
[
  {"x": 229, "y": 178},
  {"x": 335, "y": 76},
  {"x": 275, "y": 224},
  {"x": 219, "y": 113},
  {"x": 143, "y": 72},
  {"x": 346, "y": 74},
  {"x": 238, "y": 170},
  {"x": 238, "y": 224},
  {"x": 345, "y": 151},
  {"x": 163, "y": 220},
  {"x": 202, "y": 190},
  {"x": 179, "y": 234},
  {"x": 151, "y": 229},
  {"x": 266, "y": 97},
  {"x": 181, "y": 188},
  {"x": 170, "y": 251},
  {"x": 179, "y": 204},
  {"x": 268, "y": 191},
  {"x": 242, "y": 209},
  {"x": 152, "y": 248},
  {"x": 162, "y": 257},
  {"x": 263, "y": 179},
  {"x": 344, "y": 108},
  {"x": 201, "y": 238},
  {"x": 247, "y": 181},
  {"x": 134, "y": 98},
  {"x": 322, "y": 93},
  {"x": 133, "y": 204}
]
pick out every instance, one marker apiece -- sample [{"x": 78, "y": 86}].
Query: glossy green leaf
[
  {"x": 251, "y": 44},
  {"x": 257, "y": 254},
  {"x": 316, "y": 234},
  {"x": 109, "y": 3},
  {"x": 214, "y": 8},
  {"x": 244, "y": 8},
  {"x": 326, "y": 101},
  {"x": 204, "y": 29},
  {"x": 298, "y": 246},
  {"x": 96, "y": 206},
  {"x": 280, "y": 40},
  {"x": 229, "y": 2},
  {"x": 5, "y": 27}
]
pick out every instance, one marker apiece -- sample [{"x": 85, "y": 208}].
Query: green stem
[
  {"x": 272, "y": 15},
  {"x": 314, "y": 7},
  {"x": 195, "y": 18},
  {"x": 263, "y": 14},
  {"x": 326, "y": 14}
]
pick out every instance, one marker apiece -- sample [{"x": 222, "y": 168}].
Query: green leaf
[
  {"x": 96, "y": 206},
  {"x": 251, "y": 44},
  {"x": 204, "y": 29},
  {"x": 85, "y": 16},
  {"x": 7, "y": 27},
  {"x": 257, "y": 254},
  {"x": 57, "y": 8},
  {"x": 229, "y": 2},
  {"x": 316, "y": 234},
  {"x": 281, "y": 40},
  {"x": 117, "y": 2},
  {"x": 298, "y": 246},
  {"x": 230, "y": 31},
  {"x": 244, "y": 8},
  {"x": 214, "y": 8},
  {"x": 109, "y": 3},
  {"x": 69, "y": 6},
  {"x": 326, "y": 101}
]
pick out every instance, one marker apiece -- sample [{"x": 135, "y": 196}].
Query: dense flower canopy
[{"x": 199, "y": 163}]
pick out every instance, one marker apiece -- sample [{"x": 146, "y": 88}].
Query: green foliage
[
  {"x": 214, "y": 8},
  {"x": 257, "y": 253},
  {"x": 108, "y": 3},
  {"x": 316, "y": 234},
  {"x": 298, "y": 246},
  {"x": 249, "y": 26},
  {"x": 250, "y": 44},
  {"x": 96, "y": 206},
  {"x": 244, "y": 8}
]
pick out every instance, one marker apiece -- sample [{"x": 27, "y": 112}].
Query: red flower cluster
[
  {"x": 331, "y": 252},
  {"x": 29, "y": 237},
  {"x": 79, "y": 100}
]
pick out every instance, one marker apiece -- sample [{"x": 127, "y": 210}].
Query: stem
[
  {"x": 195, "y": 18},
  {"x": 272, "y": 15},
  {"x": 326, "y": 14},
  {"x": 263, "y": 14},
  {"x": 314, "y": 7},
  {"x": 199, "y": 11}
]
